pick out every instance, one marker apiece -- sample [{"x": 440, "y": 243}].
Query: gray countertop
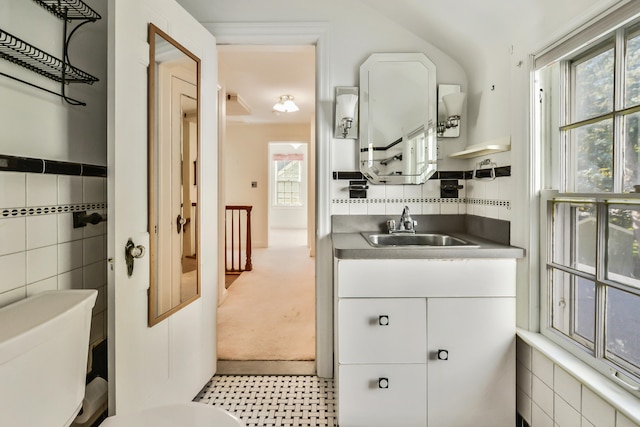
[{"x": 354, "y": 246}]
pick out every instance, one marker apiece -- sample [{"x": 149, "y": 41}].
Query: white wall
[
  {"x": 246, "y": 160},
  {"x": 37, "y": 124}
]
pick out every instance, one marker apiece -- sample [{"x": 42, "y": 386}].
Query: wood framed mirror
[{"x": 174, "y": 145}]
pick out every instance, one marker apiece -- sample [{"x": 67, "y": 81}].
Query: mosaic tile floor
[{"x": 304, "y": 401}]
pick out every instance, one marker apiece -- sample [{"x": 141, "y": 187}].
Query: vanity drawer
[
  {"x": 382, "y": 395},
  {"x": 382, "y": 330}
]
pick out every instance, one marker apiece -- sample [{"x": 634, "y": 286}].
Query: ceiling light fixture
[{"x": 285, "y": 105}]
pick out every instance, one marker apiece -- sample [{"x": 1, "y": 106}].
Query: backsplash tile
[
  {"x": 13, "y": 268},
  {"x": 42, "y": 230},
  {"x": 486, "y": 198},
  {"x": 12, "y": 189},
  {"x": 42, "y": 263},
  {"x": 42, "y": 190},
  {"x": 12, "y": 235}
]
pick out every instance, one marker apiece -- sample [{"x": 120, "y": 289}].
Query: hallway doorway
[{"x": 266, "y": 318}]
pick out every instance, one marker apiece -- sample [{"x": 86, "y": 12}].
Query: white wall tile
[
  {"x": 94, "y": 275},
  {"x": 13, "y": 268},
  {"x": 339, "y": 209},
  {"x": 567, "y": 387},
  {"x": 376, "y": 191},
  {"x": 449, "y": 208},
  {"x": 586, "y": 423},
  {"x": 69, "y": 189},
  {"x": 622, "y": 421},
  {"x": 523, "y": 405},
  {"x": 431, "y": 208},
  {"x": 523, "y": 353},
  {"x": 596, "y": 410},
  {"x": 42, "y": 190},
  {"x": 376, "y": 209},
  {"x": 394, "y": 209},
  {"x": 42, "y": 263},
  {"x": 94, "y": 189},
  {"x": 12, "y": 235},
  {"x": 42, "y": 230},
  {"x": 50, "y": 284},
  {"x": 94, "y": 249},
  {"x": 10, "y": 297},
  {"x": 12, "y": 189},
  {"x": 431, "y": 189},
  {"x": 505, "y": 188},
  {"x": 542, "y": 395},
  {"x": 564, "y": 414},
  {"x": 394, "y": 191},
  {"x": 539, "y": 418},
  {"x": 523, "y": 378},
  {"x": 339, "y": 189},
  {"x": 358, "y": 208},
  {"x": 66, "y": 232},
  {"x": 70, "y": 256},
  {"x": 542, "y": 367},
  {"x": 70, "y": 279},
  {"x": 414, "y": 208},
  {"x": 412, "y": 191}
]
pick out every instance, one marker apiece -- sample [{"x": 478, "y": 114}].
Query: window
[
  {"x": 587, "y": 123},
  {"x": 288, "y": 178}
]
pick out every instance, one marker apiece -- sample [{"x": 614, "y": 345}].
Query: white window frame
[{"x": 590, "y": 36}]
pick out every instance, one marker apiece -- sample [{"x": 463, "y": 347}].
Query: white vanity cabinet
[{"x": 425, "y": 342}]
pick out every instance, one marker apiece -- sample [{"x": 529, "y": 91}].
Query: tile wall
[
  {"x": 486, "y": 198},
  {"x": 547, "y": 396},
  {"x": 39, "y": 248}
]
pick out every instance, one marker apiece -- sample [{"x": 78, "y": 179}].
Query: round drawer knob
[
  {"x": 443, "y": 354},
  {"x": 383, "y": 382},
  {"x": 383, "y": 320}
]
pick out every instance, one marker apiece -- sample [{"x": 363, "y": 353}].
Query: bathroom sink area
[{"x": 418, "y": 239}]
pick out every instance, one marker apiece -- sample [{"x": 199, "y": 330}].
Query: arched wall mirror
[
  {"x": 174, "y": 144},
  {"x": 398, "y": 140}
]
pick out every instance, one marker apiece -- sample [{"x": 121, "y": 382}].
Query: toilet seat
[{"x": 190, "y": 414}]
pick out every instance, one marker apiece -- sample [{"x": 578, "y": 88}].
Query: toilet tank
[{"x": 44, "y": 344}]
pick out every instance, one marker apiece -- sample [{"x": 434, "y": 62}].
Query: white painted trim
[{"x": 310, "y": 33}]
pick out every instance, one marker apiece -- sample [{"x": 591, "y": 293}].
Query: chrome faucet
[{"x": 406, "y": 225}]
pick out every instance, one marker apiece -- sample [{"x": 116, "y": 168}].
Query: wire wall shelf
[
  {"x": 19, "y": 52},
  {"x": 69, "y": 9},
  {"x": 30, "y": 57}
]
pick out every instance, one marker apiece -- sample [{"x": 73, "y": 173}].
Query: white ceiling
[{"x": 261, "y": 74}]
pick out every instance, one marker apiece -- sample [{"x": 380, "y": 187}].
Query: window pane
[
  {"x": 574, "y": 235},
  {"x": 631, "y": 173},
  {"x": 623, "y": 234},
  {"x": 560, "y": 301},
  {"x": 585, "y": 308},
  {"x": 623, "y": 324},
  {"x": 593, "y": 86},
  {"x": 632, "y": 83},
  {"x": 592, "y": 148}
]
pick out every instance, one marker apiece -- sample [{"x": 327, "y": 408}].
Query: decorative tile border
[
  {"x": 387, "y": 201},
  {"x": 489, "y": 202},
  {"x": 48, "y": 210}
]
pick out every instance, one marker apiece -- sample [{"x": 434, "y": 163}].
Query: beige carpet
[{"x": 269, "y": 313}]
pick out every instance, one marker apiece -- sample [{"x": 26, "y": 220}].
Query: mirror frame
[
  {"x": 153, "y": 188},
  {"x": 366, "y": 148}
]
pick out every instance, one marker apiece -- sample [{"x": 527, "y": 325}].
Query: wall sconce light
[
  {"x": 450, "y": 103},
  {"x": 285, "y": 105},
  {"x": 346, "y": 122}
]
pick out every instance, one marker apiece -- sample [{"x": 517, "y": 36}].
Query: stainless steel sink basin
[{"x": 428, "y": 240}]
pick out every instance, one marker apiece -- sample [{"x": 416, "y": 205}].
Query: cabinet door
[
  {"x": 382, "y": 395},
  {"x": 473, "y": 381},
  {"x": 383, "y": 330}
]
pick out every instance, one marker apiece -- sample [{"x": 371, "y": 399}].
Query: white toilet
[{"x": 43, "y": 357}]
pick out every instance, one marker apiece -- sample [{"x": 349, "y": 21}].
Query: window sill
[{"x": 615, "y": 395}]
